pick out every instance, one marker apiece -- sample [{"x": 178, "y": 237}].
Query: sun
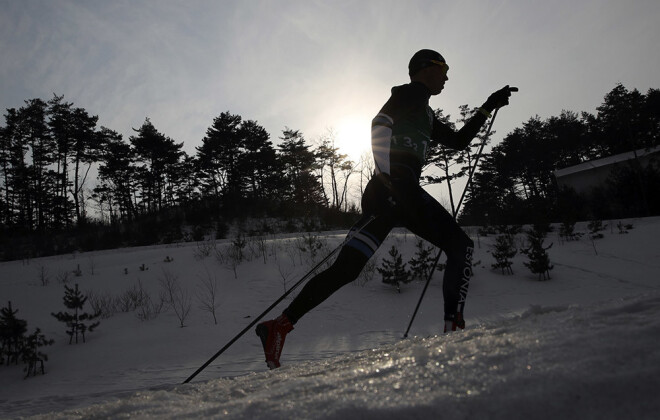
[{"x": 353, "y": 136}]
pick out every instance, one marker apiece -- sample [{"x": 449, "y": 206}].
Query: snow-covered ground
[{"x": 585, "y": 344}]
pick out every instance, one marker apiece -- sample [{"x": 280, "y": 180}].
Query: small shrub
[
  {"x": 32, "y": 355},
  {"x": 422, "y": 262},
  {"x": 15, "y": 345},
  {"x": 63, "y": 277},
  {"x": 394, "y": 270},
  {"x": 311, "y": 244},
  {"x": 44, "y": 279},
  {"x": 239, "y": 243},
  {"x": 204, "y": 249},
  {"x": 539, "y": 261},
  {"x": 175, "y": 296},
  {"x": 595, "y": 227},
  {"x": 105, "y": 304},
  {"x": 503, "y": 251},
  {"x": 567, "y": 231},
  {"x": 11, "y": 335},
  {"x": 77, "y": 323},
  {"x": 624, "y": 228}
]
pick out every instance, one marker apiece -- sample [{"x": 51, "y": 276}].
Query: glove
[{"x": 499, "y": 99}]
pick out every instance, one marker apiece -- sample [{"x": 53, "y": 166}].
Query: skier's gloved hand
[{"x": 499, "y": 98}]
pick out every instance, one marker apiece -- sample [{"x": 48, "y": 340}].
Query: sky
[{"x": 317, "y": 65}]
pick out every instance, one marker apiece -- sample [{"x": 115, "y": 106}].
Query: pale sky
[{"x": 311, "y": 65}]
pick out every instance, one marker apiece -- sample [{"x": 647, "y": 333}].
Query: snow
[{"x": 584, "y": 344}]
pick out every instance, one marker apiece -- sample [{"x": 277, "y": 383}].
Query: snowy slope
[
  {"x": 582, "y": 345},
  {"x": 551, "y": 362}
]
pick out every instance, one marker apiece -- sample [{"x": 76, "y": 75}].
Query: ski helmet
[{"x": 424, "y": 58}]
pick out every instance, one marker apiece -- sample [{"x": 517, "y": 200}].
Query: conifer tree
[
  {"x": 503, "y": 251},
  {"x": 394, "y": 270},
  {"x": 77, "y": 323},
  {"x": 11, "y": 335},
  {"x": 567, "y": 231},
  {"x": 595, "y": 227},
  {"x": 421, "y": 263},
  {"x": 539, "y": 261},
  {"x": 31, "y": 355}
]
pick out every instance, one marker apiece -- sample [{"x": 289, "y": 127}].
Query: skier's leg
[
  {"x": 366, "y": 239},
  {"x": 350, "y": 261},
  {"x": 346, "y": 268},
  {"x": 432, "y": 221}
]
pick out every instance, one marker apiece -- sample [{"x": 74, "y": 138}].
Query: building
[{"x": 587, "y": 175}]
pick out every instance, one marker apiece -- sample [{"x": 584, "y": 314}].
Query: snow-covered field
[{"x": 585, "y": 344}]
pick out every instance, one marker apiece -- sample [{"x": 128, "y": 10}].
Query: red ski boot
[
  {"x": 272, "y": 334},
  {"x": 454, "y": 322}
]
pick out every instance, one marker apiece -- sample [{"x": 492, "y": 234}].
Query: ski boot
[
  {"x": 452, "y": 322},
  {"x": 272, "y": 334}
]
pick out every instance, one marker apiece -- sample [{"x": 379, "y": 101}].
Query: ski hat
[{"x": 424, "y": 58}]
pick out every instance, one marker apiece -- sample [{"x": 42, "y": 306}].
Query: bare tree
[
  {"x": 285, "y": 273},
  {"x": 91, "y": 263},
  {"x": 261, "y": 242},
  {"x": 44, "y": 278},
  {"x": 207, "y": 294},
  {"x": 177, "y": 297},
  {"x": 336, "y": 167}
]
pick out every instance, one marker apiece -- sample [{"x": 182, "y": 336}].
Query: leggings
[{"x": 422, "y": 215}]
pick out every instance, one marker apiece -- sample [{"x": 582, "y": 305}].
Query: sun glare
[{"x": 353, "y": 136}]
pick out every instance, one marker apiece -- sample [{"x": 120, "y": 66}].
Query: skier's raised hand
[{"x": 499, "y": 98}]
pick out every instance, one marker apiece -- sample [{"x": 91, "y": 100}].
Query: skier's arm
[{"x": 461, "y": 139}]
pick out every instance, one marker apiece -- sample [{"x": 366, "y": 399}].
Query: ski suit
[{"x": 401, "y": 133}]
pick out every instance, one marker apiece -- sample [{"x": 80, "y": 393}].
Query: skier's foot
[
  {"x": 454, "y": 322},
  {"x": 272, "y": 334}
]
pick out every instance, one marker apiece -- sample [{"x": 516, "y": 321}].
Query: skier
[{"x": 400, "y": 135}]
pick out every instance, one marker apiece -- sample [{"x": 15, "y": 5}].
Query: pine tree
[
  {"x": 539, "y": 261},
  {"x": 567, "y": 231},
  {"x": 77, "y": 323},
  {"x": 31, "y": 355},
  {"x": 11, "y": 335},
  {"x": 503, "y": 251},
  {"x": 595, "y": 227},
  {"x": 421, "y": 263},
  {"x": 394, "y": 271}
]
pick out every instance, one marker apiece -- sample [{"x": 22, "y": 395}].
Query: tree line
[
  {"x": 515, "y": 181},
  {"x": 47, "y": 149}
]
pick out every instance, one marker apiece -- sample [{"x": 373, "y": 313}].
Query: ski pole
[
  {"x": 472, "y": 170},
  {"x": 426, "y": 285},
  {"x": 476, "y": 160},
  {"x": 264, "y": 313}
]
